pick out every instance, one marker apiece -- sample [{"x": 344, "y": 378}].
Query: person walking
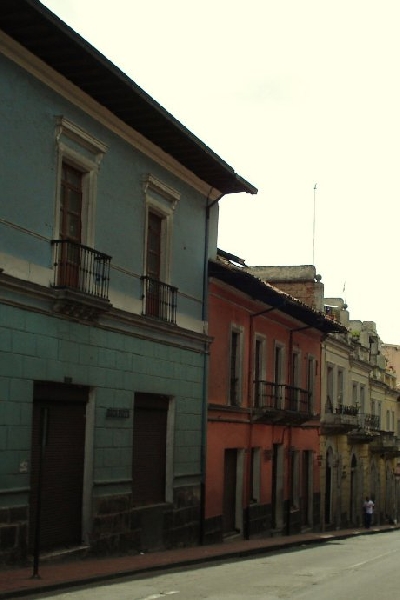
[{"x": 368, "y": 511}]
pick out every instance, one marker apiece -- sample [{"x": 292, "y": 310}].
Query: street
[{"x": 364, "y": 567}]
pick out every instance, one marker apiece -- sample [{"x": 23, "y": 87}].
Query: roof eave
[{"x": 36, "y": 28}]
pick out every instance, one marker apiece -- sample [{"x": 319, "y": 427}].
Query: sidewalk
[{"x": 18, "y": 582}]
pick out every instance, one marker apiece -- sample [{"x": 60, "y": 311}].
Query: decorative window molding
[
  {"x": 80, "y": 136},
  {"x": 152, "y": 184},
  {"x": 79, "y": 149},
  {"x": 161, "y": 200}
]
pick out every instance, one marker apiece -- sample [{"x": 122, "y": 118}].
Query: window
[
  {"x": 77, "y": 264},
  {"x": 354, "y": 393},
  {"x": 235, "y": 367},
  {"x": 259, "y": 371},
  {"x": 71, "y": 194},
  {"x": 153, "y": 254},
  {"x": 159, "y": 296},
  {"x": 311, "y": 373},
  {"x": 329, "y": 389},
  {"x": 295, "y": 403},
  {"x": 362, "y": 399},
  {"x": 340, "y": 386},
  {"x": 79, "y": 158},
  {"x": 278, "y": 375}
]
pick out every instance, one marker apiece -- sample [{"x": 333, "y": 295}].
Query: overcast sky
[{"x": 291, "y": 93}]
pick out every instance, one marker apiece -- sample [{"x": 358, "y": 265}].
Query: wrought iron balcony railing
[
  {"x": 81, "y": 268},
  {"x": 159, "y": 299},
  {"x": 297, "y": 399},
  {"x": 369, "y": 422},
  {"x": 342, "y": 409},
  {"x": 268, "y": 394},
  {"x": 282, "y": 402}
]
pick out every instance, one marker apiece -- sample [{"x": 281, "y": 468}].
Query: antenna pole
[{"x": 313, "y": 237}]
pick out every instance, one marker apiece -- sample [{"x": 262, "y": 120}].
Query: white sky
[{"x": 290, "y": 93}]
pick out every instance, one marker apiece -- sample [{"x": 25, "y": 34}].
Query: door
[
  {"x": 277, "y": 486},
  {"x": 149, "y": 449},
  {"x": 355, "y": 501},
  {"x": 230, "y": 484},
  {"x": 328, "y": 486},
  {"x": 58, "y": 456}
]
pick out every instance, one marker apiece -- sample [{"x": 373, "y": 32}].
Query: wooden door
[
  {"x": 58, "y": 457},
  {"x": 230, "y": 483}
]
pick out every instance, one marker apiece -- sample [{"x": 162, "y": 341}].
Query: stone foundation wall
[
  {"x": 118, "y": 526},
  {"x": 13, "y": 534},
  {"x": 259, "y": 519}
]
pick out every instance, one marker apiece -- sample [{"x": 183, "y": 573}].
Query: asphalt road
[{"x": 360, "y": 568}]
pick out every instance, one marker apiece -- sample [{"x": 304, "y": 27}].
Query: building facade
[
  {"x": 109, "y": 213},
  {"x": 263, "y": 448},
  {"x": 360, "y": 447},
  {"x": 359, "y": 425}
]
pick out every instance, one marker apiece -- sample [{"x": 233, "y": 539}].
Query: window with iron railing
[
  {"x": 159, "y": 299},
  {"x": 81, "y": 268}
]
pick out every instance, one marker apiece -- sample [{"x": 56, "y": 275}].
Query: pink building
[{"x": 263, "y": 452}]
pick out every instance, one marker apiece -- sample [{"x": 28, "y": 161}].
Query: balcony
[
  {"x": 81, "y": 280},
  {"x": 367, "y": 429},
  {"x": 386, "y": 444},
  {"x": 339, "y": 419},
  {"x": 159, "y": 299},
  {"x": 281, "y": 404}
]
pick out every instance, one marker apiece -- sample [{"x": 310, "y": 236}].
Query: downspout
[
  {"x": 290, "y": 453},
  {"x": 204, "y": 317}
]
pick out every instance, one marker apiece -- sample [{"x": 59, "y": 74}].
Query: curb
[{"x": 285, "y": 544}]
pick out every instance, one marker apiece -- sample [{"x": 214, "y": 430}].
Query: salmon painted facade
[{"x": 264, "y": 385}]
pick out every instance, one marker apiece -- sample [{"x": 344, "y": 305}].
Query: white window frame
[
  {"x": 162, "y": 200},
  {"x": 84, "y": 152}
]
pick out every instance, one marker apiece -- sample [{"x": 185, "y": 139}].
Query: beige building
[
  {"x": 359, "y": 442},
  {"x": 360, "y": 447}
]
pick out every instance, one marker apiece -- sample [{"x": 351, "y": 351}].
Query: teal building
[{"x": 108, "y": 216}]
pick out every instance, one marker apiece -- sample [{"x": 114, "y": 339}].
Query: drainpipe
[
  {"x": 204, "y": 317},
  {"x": 250, "y": 405}
]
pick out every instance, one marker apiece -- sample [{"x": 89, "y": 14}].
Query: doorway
[{"x": 57, "y": 465}]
